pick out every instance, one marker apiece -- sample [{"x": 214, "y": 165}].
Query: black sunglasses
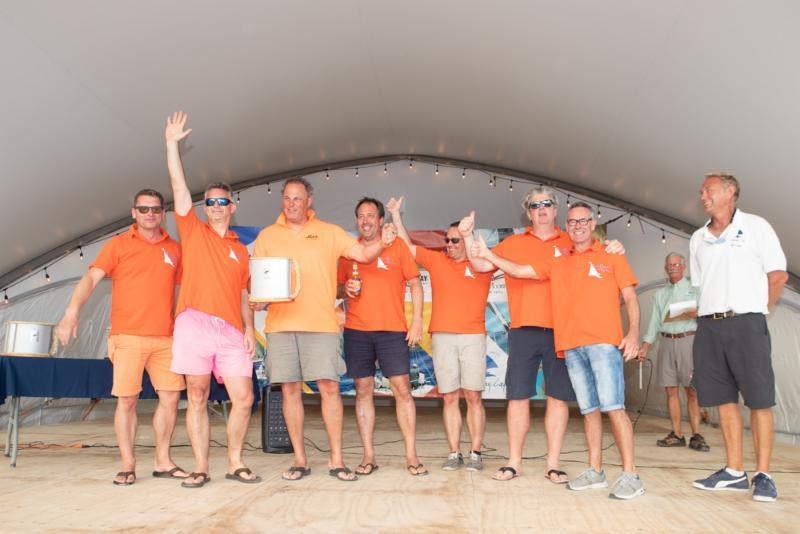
[
  {"x": 535, "y": 205},
  {"x": 148, "y": 209},
  {"x": 218, "y": 201},
  {"x": 453, "y": 240}
]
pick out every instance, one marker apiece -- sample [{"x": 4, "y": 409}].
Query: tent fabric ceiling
[{"x": 634, "y": 99}]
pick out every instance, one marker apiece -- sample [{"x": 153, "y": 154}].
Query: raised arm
[
  {"x": 480, "y": 250},
  {"x": 415, "y": 330},
  {"x": 630, "y": 343},
  {"x": 393, "y": 207},
  {"x": 366, "y": 253},
  {"x": 466, "y": 227},
  {"x": 68, "y": 326},
  {"x": 174, "y": 133}
]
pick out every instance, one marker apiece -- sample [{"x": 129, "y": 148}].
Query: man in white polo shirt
[{"x": 739, "y": 266}]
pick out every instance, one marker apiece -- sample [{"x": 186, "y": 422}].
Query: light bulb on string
[
  {"x": 437, "y": 169},
  {"x": 327, "y": 175},
  {"x": 511, "y": 186},
  {"x": 80, "y": 252},
  {"x": 238, "y": 198},
  {"x": 568, "y": 202},
  {"x": 356, "y": 172},
  {"x": 628, "y": 224},
  {"x": 411, "y": 164},
  {"x": 463, "y": 173},
  {"x": 663, "y": 237},
  {"x": 385, "y": 170},
  {"x": 5, "y": 296},
  {"x": 599, "y": 214},
  {"x": 46, "y": 275},
  {"x": 269, "y": 189}
]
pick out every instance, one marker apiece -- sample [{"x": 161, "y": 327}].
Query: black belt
[
  {"x": 717, "y": 316},
  {"x": 677, "y": 336}
]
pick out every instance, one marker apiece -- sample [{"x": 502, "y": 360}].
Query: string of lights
[{"x": 330, "y": 174}]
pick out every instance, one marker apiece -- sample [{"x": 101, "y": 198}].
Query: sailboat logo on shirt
[
  {"x": 167, "y": 259},
  {"x": 593, "y": 272},
  {"x": 381, "y": 264},
  {"x": 233, "y": 256},
  {"x": 556, "y": 252},
  {"x": 468, "y": 273}
]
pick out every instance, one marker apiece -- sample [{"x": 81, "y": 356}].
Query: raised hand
[
  {"x": 467, "y": 224},
  {"x": 175, "y": 130},
  {"x": 614, "y": 247},
  {"x": 479, "y": 248},
  {"x": 393, "y": 205}
]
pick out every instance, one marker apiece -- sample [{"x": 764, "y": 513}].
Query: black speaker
[{"x": 274, "y": 436}]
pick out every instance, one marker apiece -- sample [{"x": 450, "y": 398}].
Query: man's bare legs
[
  {"x": 693, "y": 407},
  {"x": 406, "y": 411},
  {"x": 451, "y": 414},
  {"x": 730, "y": 421},
  {"x": 240, "y": 391},
  {"x": 125, "y": 422},
  {"x": 674, "y": 409},
  {"x": 197, "y": 390},
  {"x": 365, "y": 418},
  {"x": 556, "y": 417},
  {"x": 294, "y": 415},
  {"x": 623, "y": 434},
  {"x": 593, "y": 430},
  {"x": 333, "y": 417},
  {"x": 518, "y": 420},
  {"x": 762, "y": 424},
  {"x": 476, "y": 418},
  {"x": 164, "y": 419}
]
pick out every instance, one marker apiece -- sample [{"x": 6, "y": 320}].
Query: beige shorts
[
  {"x": 304, "y": 357},
  {"x": 674, "y": 366},
  {"x": 459, "y": 361}
]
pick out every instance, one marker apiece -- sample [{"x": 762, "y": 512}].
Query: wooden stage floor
[{"x": 70, "y": 490}]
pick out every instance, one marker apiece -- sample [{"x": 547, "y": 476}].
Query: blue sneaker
[
  {"x": 722, "y": 480},
  {"x": 764, "y": 489}
]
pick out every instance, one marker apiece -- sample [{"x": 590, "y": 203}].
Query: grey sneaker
[
  {"x": 474, "y": 462},
  {"x": 589, "y": 479},
  {"x": 627, "y": 486},
  {"x": 454, "y": 461}
]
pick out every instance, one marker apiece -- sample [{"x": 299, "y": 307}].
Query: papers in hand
[{"x": 679, "y": 308}]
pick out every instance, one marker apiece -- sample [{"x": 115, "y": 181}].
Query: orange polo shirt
[
  {"x": 586, "y": 296},
  {"x": 215, "y": 270},
  {"x": 459, "y": 293},
  {"x": 381, "y": 304},
  {"x": 529, "y": 301},
  {"x": 143, "y": 277},
  {"x": 316, "y": 247}
]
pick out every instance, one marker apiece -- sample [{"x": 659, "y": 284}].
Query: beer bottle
[{"x": 356, "y": 278}]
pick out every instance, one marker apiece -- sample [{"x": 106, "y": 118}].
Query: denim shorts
[{"x": 596, "y": 375}]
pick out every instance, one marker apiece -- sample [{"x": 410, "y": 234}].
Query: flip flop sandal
[
  {"x": 417, "y": 472},
  {"x": 125, "y": 482},
  {"x": 366, "y": 469},
  {"x": 237, "y": 476},
  {"x": 557, "y": 473},
  {"x": 169, "y": 474},
  {"x": 304, "y": 472},
  {"x": 339, "y": 470},
  {"x": 503, "y": 470},
  {"x": 204, "y": 480}
]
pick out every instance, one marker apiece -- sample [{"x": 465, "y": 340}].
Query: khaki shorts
[
  {"x": 674, "y": 366},
  {"x": 304, "y": 357},
  {"x": 131, "y": 355},
  {"x": 459, "y": 361}
]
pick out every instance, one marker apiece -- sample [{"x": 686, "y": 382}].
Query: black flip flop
[
  {"x": 125, "y": 482},
  {"x": 503, "y": 470},
  {"x": 169, "y": 474},
  {"x": 203, "y": 482},
  {"x": 237, "y": 476},
  {"x": 335, "y": 472},
  {"x": 372, "y": 468},
  {"x": 558, "y": 473},
  {"x": 304, "y": 472},
  {"x": 417, "y": 472}
]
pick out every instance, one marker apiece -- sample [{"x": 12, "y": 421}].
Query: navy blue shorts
[
  {"x": 362, "y": 349},
  {"x": 528, "y": 348}
]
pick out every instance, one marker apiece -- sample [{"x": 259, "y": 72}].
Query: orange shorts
[{"x": 131, "y": 355}]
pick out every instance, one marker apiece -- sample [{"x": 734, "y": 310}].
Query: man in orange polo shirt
[
  {"x": 375, "y": 330},
  {"x": 144, "y": 265},
  {"x": 586, "y": 286},
  {"x": 458, "y": 331},
  {"x": 303, "y": 343},
  {"x": 214, "y": 323}
]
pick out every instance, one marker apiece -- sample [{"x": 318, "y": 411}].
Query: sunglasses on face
[
  {"x": 218, "y": 201},
  {"x": 453, "y": 240},
  {"x": 535, "y": 205},
  {"x": 149, "y": 209}
]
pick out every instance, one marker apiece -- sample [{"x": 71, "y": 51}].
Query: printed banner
[{"x": 422, "y": 376}]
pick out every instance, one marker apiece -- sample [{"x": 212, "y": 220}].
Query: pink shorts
[{"x": 203, "y": 344}]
